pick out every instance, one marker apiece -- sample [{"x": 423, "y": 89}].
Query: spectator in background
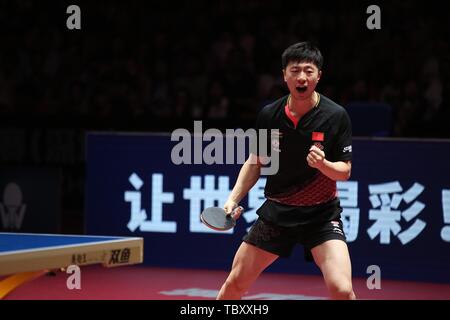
[{"x": 127, "y": 57}]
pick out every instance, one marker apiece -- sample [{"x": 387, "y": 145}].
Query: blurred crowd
[{"x": 219, "y": 60}]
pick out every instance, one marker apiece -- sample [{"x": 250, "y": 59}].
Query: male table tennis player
[{"x": 301, "y": 204}]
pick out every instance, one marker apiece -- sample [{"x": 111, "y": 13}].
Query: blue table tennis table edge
[
  {"x": 111, "y": 239},
  {"x": 96, "y": 251},
  {"x": 15, "y": 280}
]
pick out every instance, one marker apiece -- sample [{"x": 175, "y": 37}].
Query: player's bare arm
[
  {"x": 248, "y": 176},
  {"x": 339, "y": 170}
]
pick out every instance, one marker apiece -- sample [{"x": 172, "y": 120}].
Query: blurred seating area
[{"x": 157, "y": 66}]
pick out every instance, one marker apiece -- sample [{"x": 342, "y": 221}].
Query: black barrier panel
[{"x": 30, "y": 199}]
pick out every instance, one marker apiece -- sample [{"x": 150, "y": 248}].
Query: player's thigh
[
  {"x": 250, "y": 261},
  {"x": 333, "y": 259}
]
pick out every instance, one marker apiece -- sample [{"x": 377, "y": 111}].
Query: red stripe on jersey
[
  {"x": 290, "y": 116},
  {"x": 319, "y": 190}
]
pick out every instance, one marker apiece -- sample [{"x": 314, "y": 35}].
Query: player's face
[{"x": 301, "y": 78}]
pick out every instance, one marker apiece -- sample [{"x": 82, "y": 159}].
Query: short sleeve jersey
[{"x": 328, "y": 126}]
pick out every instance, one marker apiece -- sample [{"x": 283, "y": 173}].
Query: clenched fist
[{"x": 315, "y": 157}]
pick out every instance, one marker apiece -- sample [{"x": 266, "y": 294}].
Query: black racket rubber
[{"x": 216, "y": 218}]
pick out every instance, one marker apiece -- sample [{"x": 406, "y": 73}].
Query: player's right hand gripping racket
[{"x": 217, "y": 219}]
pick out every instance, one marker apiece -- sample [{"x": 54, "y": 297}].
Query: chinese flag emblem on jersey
[{"x": 318, "y": 136}]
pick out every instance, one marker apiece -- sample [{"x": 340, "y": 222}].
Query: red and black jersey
[{"x": 296, "y": 184}]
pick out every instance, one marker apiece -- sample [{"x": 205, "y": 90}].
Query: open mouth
[{"x": 301, "y": 89}]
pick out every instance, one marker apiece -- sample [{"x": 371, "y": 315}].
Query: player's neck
[{"x": 300, "y": 107}]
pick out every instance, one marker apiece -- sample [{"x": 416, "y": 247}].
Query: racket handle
[{"x": 234, "y": 211}]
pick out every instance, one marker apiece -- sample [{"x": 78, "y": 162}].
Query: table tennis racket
[{"x": 217, "y": 219}]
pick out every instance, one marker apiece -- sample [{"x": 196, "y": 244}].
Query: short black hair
[{"x": 302, "y": 52}]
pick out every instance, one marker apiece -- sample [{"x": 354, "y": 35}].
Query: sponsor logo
[{"x": 347, "y": 149}]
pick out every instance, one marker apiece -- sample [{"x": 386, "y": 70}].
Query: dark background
[{"x": 157, "y": 66}]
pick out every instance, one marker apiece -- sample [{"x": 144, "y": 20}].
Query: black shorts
[{"x": 282, "y": 240}]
